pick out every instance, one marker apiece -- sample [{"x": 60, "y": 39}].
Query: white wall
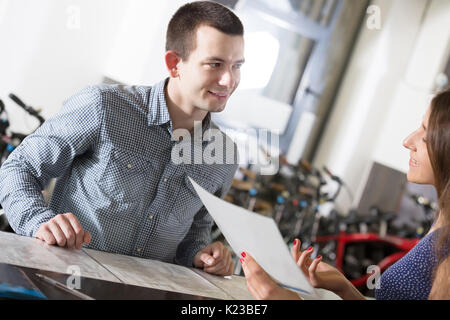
[
  {"x": 428, "y": 57},
  {"x": 50, "y": 49},
  {"x": 386, "y": 89},
  {"x": 137, "y": 56}
]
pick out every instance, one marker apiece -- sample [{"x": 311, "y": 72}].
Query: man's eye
[
  {"x": 238, "y": 66},
  {"x": 214, "y": 65}
]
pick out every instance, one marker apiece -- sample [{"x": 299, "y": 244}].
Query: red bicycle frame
[{"x": 343, "y": 238}]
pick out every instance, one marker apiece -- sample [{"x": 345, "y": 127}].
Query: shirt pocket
[
  {"x": 124, "y": 177},
  {"x": 188, "y": 202}
]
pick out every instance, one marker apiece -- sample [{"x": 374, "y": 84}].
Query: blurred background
[{"x": 338, "y": 84}]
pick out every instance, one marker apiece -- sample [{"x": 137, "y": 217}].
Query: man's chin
[
  {"x": 219, "y": 108},
  {"x": 215, "y": 109}
]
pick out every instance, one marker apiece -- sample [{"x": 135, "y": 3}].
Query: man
[{"x": 111, "y": 146}]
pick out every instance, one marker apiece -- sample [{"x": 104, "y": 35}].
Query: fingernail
[
  {"x": 241, "y": 260},
  {"x": 319, "y": 257},
  {"x": 310, "y": 248},
  {"x": 209, "y": 261},
  {"x": 243, "y": 254},
  {"x": 295, "y": 242}
]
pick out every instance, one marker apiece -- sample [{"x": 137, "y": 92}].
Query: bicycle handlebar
[{"x": 28, "y": 109}]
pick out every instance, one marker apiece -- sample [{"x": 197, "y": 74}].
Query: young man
[{"x": 111, "y": 146}]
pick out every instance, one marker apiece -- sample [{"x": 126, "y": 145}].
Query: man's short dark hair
[{"x": 181, "y": 32}]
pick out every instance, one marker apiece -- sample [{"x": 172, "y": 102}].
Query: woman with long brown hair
[
  {"x": 424, "y": 273},
  {"x": 438, "y": 138}
]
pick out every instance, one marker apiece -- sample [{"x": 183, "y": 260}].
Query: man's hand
[
  {"x": 64, "y": 230},
  {"x": 215, "y": 259}
]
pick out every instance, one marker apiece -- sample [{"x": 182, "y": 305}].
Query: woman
[{"x": 424, "y": 273}]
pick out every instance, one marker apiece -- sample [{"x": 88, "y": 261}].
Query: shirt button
[
  {"x": 139, "y": 250},
  {"x": 129, "y": 166},
  {"x": 150, "y": 217},
  {"x": 165, "y": 179}
]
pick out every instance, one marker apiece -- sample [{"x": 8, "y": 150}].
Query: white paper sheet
[{"x": 258, "y": 235}]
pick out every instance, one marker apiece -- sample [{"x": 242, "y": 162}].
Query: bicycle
[
  {"x": 356, "y": 251},
  {"x": 9, "y": 141}
]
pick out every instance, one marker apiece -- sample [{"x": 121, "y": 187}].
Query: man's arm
[
  {"x": 199, "y": 235},
  {"x": 45, "y": 154}
]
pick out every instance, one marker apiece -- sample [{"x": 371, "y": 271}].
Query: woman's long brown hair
[{"x": 438, "y": 146}]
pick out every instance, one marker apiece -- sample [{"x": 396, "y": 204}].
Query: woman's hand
[
  {"x": 322, "y": 275},
  {"x": 260, "y": 284}
]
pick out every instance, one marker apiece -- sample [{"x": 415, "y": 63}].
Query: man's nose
[{"x": 227, "y": 79}]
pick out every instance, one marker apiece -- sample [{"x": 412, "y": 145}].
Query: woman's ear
[{"x": 172, "y": 60}]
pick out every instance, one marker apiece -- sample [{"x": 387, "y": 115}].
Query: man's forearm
[{"x": 22, "y": 199}]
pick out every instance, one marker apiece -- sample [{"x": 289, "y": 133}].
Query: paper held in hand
[{"x": 258, "y": 235}]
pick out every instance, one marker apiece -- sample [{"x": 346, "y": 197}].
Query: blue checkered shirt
[{"x": 110, "y": 150}]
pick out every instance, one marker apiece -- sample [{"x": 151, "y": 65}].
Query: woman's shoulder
[
  {"x": 427, "y": 245},
  {"x": 410, "y": 277},
  {"x": 423, "y": 250}
]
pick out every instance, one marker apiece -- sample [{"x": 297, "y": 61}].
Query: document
[{"x": 259, "y": 236}]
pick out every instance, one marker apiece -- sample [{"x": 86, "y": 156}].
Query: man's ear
[{"x": 172, "y": 60}]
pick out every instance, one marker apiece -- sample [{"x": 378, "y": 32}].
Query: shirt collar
[{"x": 159, "y": 114}]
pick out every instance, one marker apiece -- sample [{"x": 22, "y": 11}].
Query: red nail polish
[
  {"x": 319, "y": 257},
  {"x": 295, "y": 242},
  {"x": 241, "y": 260},
  {"x": 243, "y": 254},
  {"x": 310, "y": 248}
]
